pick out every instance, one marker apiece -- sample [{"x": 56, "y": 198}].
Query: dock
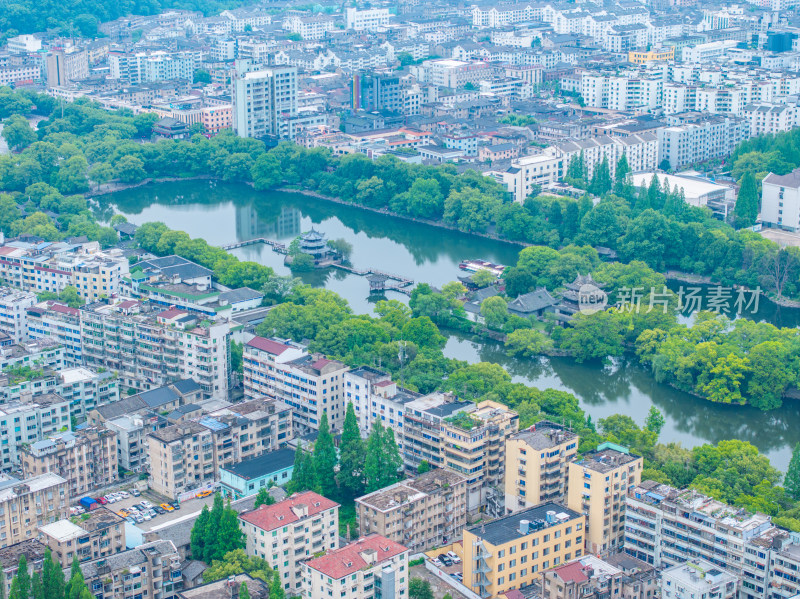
[{"x": 379, "y": 280}]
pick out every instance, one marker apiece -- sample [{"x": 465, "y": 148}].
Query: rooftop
[
  {"x": 536, "y": 518},
  {"x": 607, "y": 457},
  {"x": 544, "y": 435},
  {"x": 398, "y": 494},
  {"x": 262, "y": 465},
  {"x": 371, "y": 550},
  {"x": 269, "y": 517}
]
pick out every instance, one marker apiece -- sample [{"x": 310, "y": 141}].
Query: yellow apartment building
[
  {"x": 511, "y": 552},
  {"x": 537, "y": 462},
  {"x": 598, "y": 485}
]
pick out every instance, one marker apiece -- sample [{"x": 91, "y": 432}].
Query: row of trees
[
  {"x": 362, "y": 466},
  {"x": 47, "y": 583},
  {"x": 216, "y": 532}
]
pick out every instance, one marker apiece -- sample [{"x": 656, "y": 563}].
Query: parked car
[
  {"x": 102, "y": 500},
  {"x": 176, "y": 505},
  {"x": 202, "y": 494},
  {"x": 167, "y": 507},
  {"x": 437, "y": 563},
  {"x": 445, "y": 560},
  {"x": 454, "y": 557},
  {"x": 135, "y": 492}
]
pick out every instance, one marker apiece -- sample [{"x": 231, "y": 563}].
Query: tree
[
  {"x": 229, "y": 534},
  {"x": 303, "y": 477},
  {"x": 238, "y": 562},
  {"x": 202, "y": 76},
  {"x": 473, "y": 381},
  {"x": 792, "y": 480},
  {"x": 655, "y": 420},
  {"x": 419, "y": 589},
  {"x": 325, "y": 459},
  {"x": 276, "y": 587},
  {"x": 130, "y": 169},
  {"x": 244, "y": 593},
  {"x": 601, "y": 178},
  {"x": 746, "y": 209},
  {"x": 351, "y": 456},
  {"x": 483, "y": 278},
  {"x": 197, "y": 538},
  {"x": 21, "y": 585},
  {"x": 424, "y": 466},
  {"x": 495, "y": 312},
  {"x": 53, "y": 584},
  {"x": 37, "y": 588},
  {"x": 18, "y": 133},
  {"x": 383, "y": 462},
  {"x": 263, "y": 498}
]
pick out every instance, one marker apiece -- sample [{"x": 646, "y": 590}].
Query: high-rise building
[
  {"x": 537, "y": 461},
  {"x": 13, "y": 313},
  {"x": 65, "y": 66},
  {"x": 421, "y": 513},
  {"x": 378, "y": 92},
  {"x": 290, "y": 531},
  {"x": 261, "y": 97}
]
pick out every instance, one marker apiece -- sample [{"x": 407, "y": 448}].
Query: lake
[{"x": 226, "y": 213}]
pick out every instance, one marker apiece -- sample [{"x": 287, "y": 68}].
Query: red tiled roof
[
  {"x": 514, "y": 594},
  {"x": 269, "y": 517},
  {"x": 64, "y": 309},
  {"x": 571, "y": 572},
  {"x": 129, "y": 304},
  {"x": 268, "y": 345},
  {"x": 167, "y": 314},
  {"x": 347, "y": 560},
  {"x": 6, "y": 250},
  {"x": 321, "y": 363},
  {"x": 384, "y": 383}
]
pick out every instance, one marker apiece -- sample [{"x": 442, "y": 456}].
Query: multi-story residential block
[
  {"x": 421, "y": 513},
  {"x": 502, "y": 15},
  {"x": 378, "y": 92},
  {"x": 448, "y": 72},
  {"x": 26, "y": 422},
  {"x": 228, "y": 588},
  {"x": 370, "y": 19},
  {"x": 189, "y": 455},
  {"x": 597, "y": 487},
  {"x": 87, "y": 459},
  {"x": 513, "y": 551},
  {"x": 43, "y": 354},
  {"x": 590, "y": 577},
  {"x": 14, "y": 306},
  {"x": 20, "y": 74},
  {"x": 309, "y": 383},
  {"x": 695, "y": 137},
  {"x": 770, "y": 118},
  {"x": 152, "y": 67},
  {"x": 150, "y": 570},
  {"x": 261, "y": 97},
  {"x": 641, "y": 151},
  {"x": 530, "y": 172},
  {"x": 24, "y": 44},
  {"x": 289, "y": 532},
  {"x": 34, "y": 552},
  {"x": 59, "y": 322},
  {"x": 358, "y": 570},
  {"x": 150, "y": 348},
  {"x": 250, "y": 476},
  {"x": 66, "y": 65},
  {"x": 132, "y": 444},
  {"x": 537, "y": 464},
  {"x": 101, "y": 533},
  {"x": 698, "y": 578},
  {"x": 27, "y": 504},
  {"x": 463, "y": 437},
  {"x": 309, "y": 27},
  {"x": 780, "y": 200},
  {"x": 665, "y": 527},
  {"x": 375, "y": 396}
]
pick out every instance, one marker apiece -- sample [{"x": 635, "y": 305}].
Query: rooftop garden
[{"x": 463, "y": 421}]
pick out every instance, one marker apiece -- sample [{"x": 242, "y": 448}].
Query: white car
[
  {"x": 437, "y": 563},
  {"x": 124, "y": 494},
  {"x": 454, "y": 557}
]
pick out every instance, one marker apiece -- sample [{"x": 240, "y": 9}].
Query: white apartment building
[
  {"x": 309, "y": 28},
  {"x": 149, "y": 348},
  {"x": 151, "y": 67},
  {"x": 132, "y": 447},
  {"x": 27, "y": 504},
  {"x": 289, "y": 532},
  {"x": 696, "y": 137},
  {"x": 707, "y": 52},
  {"x": 698, "y": 578},
  {"x": 24, "y": 44},
  {"x": 375, "y": 396},
  {"x": 504, "y": 14},
  {"x": 528, "y": 171},
  {"x": 768, "y": 119},
  {"x": 57, "y": 321},
  {"x": 19, "y": 74},
  {"x": 242, "y": 17},
  {"x": 623, "y": 93},
  {"x": 14, "y": 306},
  {"x": 448, "y": 72},
  {"x": 261, "y": 97},
  {"x": 356, "y": 570},
  {"x": 309, "y": 383},
  {"x": 25, "y": 422},
  {"x": 780, "y": 201},
  {"x": 370, "y": 19},
  {"x": 641, "y": 151}
]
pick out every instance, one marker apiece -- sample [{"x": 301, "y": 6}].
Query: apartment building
[
  {"x": 530, "y": 172},
  {"x": 420, "y": 513},
  {"x": 101, "y": 533},
  {"x": 766, "y": 118},
  {"x": 666, "y": 527},
  {"x": 26, "y": 422},
  {"x": 513, "y": 551},
  {"x": 189, "y": 455},
  {"x": 44, "y": 354},
  {"x": 698, "y": 578},
  {"x": 149, "y": 348},
  {"x": 66, "y": 65},
  {"x": 27, "y": 504},
  {"x": 448, "y": 72},
  {"x": 694, "y": 137},
  {"x": 150, "y": 570},
  {"x": 87, "y": 459},
  {"x": 150, "y": 67},
  {"x": 260, "y": 97},
  {"x": 288, "y": 532},
  {"x": 371, "y": 19},
  {"x": 309, "y": 383},
  {"x": 13, "y": 313},
  {"x": 375, "y": 396},
  {"x": 59, "y": 322},
  {"x": 132, "y": 446},
  {"x": 309, "y": 28},
  {"x": 590, "y": 577},
  {"x": 373, "y": 564},
  {"x": 780, "y": 200},
  {"x": 34, "y": 552},
  {"x": 640, "y": 150},
  {"x": 597, "y": 487},
  {"x": 537, "y": 465}
]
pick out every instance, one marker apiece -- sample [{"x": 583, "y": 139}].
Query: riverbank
[{"x": 116, "y": 186}]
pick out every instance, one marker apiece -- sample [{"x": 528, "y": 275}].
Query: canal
[{"x": 225, "y": 213}]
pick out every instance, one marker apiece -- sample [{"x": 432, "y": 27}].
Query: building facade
[
  {"x": 100, "y": 534},
  {"x": 260, "y": 97},
  {"x": 27, "y": 504}
]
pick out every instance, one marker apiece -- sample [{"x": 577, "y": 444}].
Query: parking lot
[{"x": 187, "y": 509}]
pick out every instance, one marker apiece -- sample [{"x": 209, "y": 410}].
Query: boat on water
[{"x": 476, "y": 265}]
